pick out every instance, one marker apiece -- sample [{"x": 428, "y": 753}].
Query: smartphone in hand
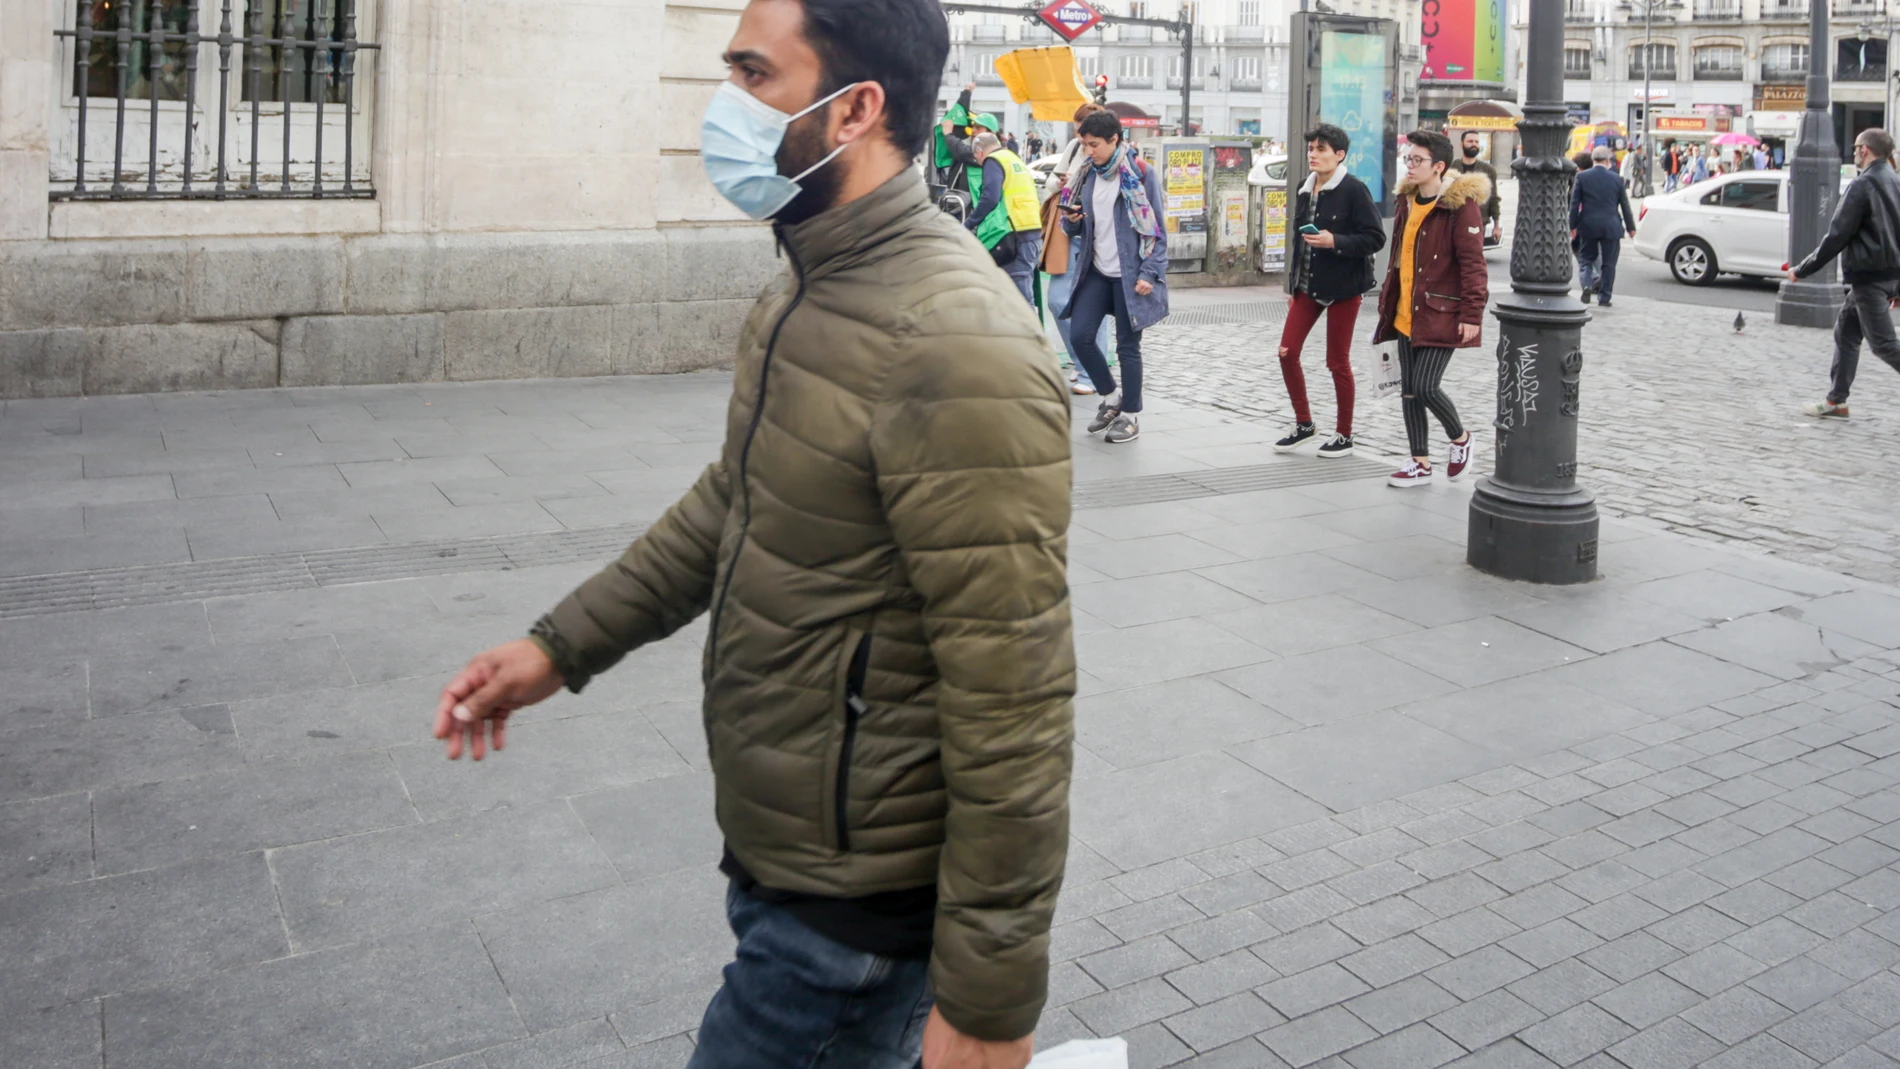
[{"x": 1309, "y": 228}]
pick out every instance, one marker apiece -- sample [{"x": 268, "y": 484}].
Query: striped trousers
[{"x": 1421, "y": 370}]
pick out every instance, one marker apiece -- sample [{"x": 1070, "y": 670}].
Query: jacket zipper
[
  {"x": 745, "y": 453},
  {"x": 854, "y": 707}
]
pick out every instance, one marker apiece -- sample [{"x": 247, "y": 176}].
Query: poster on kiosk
[{"x": 1345, "y": 71}]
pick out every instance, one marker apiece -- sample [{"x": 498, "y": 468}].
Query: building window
[
  {"x": 1091, "y": 64},
  {"x": 1653, "y": 60},
  {"x": 1138, "y": 9},
  {"x": 1137, "y": 65},
  {"x": 1784, "y": 63},
  {"x": 1860, "y": 61},
  {"x": 1191, "y": 10},
  {"x": 1247, "y": 69},
  {"x": 1576, "y": 63},
  {"x": 1718, "y": 63},
  {"x": 1200, "y": 66},
  {"x": 1249, "y": 12},
  {"x": 986, "y": 65},
  {"x": 273, "y": 108}
]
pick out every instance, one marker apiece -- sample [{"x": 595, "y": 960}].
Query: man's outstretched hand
[
  {"x": 947, "y": 1048},
  {"x": 474, "y": 707}
]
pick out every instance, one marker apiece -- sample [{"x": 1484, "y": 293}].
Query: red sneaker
[
  {"x": 1460, "y": 456},
  {"x": 1412, "y": 474}
]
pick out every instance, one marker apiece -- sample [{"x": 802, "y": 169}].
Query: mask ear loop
[{"x": 814, "y": 107}]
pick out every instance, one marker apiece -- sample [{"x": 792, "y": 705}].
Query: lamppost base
[
  {"x": 1535, "y": 538},
  {"x": 1808, "y": 304}
]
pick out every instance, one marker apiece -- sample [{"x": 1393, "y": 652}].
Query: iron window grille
[{"x": 293, "y": 59}]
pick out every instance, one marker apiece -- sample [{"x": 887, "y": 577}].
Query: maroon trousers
[{"x": 1303, "y": 314}]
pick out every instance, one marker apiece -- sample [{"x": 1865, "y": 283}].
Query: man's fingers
[{"x": 498, "y": 729}]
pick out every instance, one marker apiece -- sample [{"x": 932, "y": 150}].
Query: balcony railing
[
  {"x": 988, "y": 79},
  {"x": 1244, "y": 85},
  {"x": 1659, "y": 73},
  {"x": 1784, "y": 74},
  {"x": 1779, "y": 11},
  {"x": 1719, "y": 74},
  {"x": 1134, "y": 83},
  {"x": 1039, "y": 34},
  {"x": 1174, "y": 82},
  {"x": 1718, "y": 10},
  {"x": 1858, "y": 7},
  {"x": 1577, "y": 11},
  {"x": 1873, "y": 72},
  {"x": 1134, "y": 34},
  {"x": 1246, "y": 34},
  {"x": 987, "y": 34}
]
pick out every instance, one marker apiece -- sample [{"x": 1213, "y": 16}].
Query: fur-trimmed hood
[{"x": 1467, "y": 187}]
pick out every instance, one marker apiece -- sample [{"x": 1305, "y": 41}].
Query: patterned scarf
[{"x": 1141, "y": 214}]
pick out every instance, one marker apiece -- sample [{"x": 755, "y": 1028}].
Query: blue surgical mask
[{"x": 738, "y": 142}]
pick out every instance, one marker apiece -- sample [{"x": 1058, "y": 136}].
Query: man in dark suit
[{"x": 1594, "y": 203}]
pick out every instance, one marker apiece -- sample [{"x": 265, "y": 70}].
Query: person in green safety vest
[
  {"x": 1007, "y": 218},
  {"x": 954, "y": 158}
]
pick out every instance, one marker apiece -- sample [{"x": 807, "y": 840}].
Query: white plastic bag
[
  {"x": 1111, "y": 1053},
  {"x": 1382, "y": 378}
]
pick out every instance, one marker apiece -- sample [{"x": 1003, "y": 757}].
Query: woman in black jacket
[{"x": 1330, "y": 270}]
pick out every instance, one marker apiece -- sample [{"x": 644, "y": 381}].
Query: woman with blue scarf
[{"x": 1122, "y": 269}]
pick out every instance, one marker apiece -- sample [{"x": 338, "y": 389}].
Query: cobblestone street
[{"x": 1684, "y": 421}]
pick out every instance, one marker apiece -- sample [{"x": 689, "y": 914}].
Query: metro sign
[{"x": 1070, "y": 18}]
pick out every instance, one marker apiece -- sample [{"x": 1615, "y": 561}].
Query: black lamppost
[
  {"x": 1530, "y": 519},
  {"x": 1814, "y": 181}
]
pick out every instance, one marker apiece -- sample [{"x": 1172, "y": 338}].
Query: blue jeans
[
  {"x": 1060, "y": 286},
  {"x": 1022, "y": 270},
  {"x": 795, "y": 998},
  {"x": 1096, "y": 297}
]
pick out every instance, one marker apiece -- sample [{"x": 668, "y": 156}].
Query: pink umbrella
[{"x": 1734, "y": 139}]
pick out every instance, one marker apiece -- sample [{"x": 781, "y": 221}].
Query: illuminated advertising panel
[{"x": 1463, "y": 41}]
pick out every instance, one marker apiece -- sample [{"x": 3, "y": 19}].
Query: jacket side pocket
[{"x": 854, "y": 710}]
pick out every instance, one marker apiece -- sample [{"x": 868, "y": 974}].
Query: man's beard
[{"x": 804, "y": 145}]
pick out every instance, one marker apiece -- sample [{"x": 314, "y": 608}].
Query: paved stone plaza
[{"x": 1339, "y": 800}]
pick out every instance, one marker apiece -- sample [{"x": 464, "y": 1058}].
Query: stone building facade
[
  {"x": 525, "y": 195},
  {"x": 1742, "y": 61}
]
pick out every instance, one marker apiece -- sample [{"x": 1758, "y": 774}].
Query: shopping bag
[
  {"x": 1382, "y": 377},
  {"x": 1111, "y": 1053}
]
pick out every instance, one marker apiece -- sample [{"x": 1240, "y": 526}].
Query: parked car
[
  {"x": 1047, "y": 180},
  {"x": 1735, "y": 224},
  {"x": 1267, "y": 171}
]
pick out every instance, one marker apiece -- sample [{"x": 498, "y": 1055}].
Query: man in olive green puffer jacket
[{"x": 882, "y": 548}]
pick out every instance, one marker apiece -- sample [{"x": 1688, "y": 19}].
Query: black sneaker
[
  {"x": 1339, "y": 445},
  {"x": 1302, "y": 434}
]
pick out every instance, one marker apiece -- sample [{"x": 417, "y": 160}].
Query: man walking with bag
[
  {"x": 1339, "y": 232},
  {"x": 1865, "y": 234},
  {"x": 1595, "y": 201},
  {"x": 882, "y": 549}
]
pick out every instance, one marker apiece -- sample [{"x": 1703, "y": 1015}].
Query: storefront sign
[
  {"x": 1681, "y": 124},
  {"x": 1780, "y": 97},
  {"x": 1483, "y": 122}
]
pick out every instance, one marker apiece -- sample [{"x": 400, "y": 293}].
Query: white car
[
  {"x": 1047, "y": 180},
  {"x": 1267, "y": 171},
  {"x": 1734, "y": 224}
]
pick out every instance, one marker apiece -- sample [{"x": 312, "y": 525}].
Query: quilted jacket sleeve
[
  {"x": 658, "y": 585},
  {"x": 970, "y": 441}
]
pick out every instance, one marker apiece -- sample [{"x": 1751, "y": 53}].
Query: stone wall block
[
  {"x": 247, "y": 278},
  {"x": 529, "y": 343},
  {"x": 357, "y": 349},
  {"x": 42, "y": 363},
  {"x": 718, "y": 263},
  {"x": 695, "y": 335},
  {"x": 387, "y": 274},
  {"x": 487, "y": 271},
  {"x": 181, "y": 356},
  {"x": 96, "y": 284}
]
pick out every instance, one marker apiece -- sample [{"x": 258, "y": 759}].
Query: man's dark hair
[
  {"x": 1878, "y": 141},
  {"x": 899, "y": 44},
  {"x": 1467, "y": 133},
  {"x": 1103, "y": 124},
  {"x": 1331, "y": 135},
  {"x": 1433, "y": 142}
]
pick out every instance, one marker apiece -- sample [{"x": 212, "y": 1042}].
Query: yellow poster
[
  {"x": 1186, "y": 188},
  {"x": 1273, "y": 231}
]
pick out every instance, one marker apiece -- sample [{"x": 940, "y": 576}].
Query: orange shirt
[{"x": 1408, "y": 245}]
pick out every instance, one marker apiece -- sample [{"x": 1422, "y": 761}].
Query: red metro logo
[{"x": 1070, "y": 18}]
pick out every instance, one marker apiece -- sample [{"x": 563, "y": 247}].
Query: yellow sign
[
  {"x": 1483, "y": 122},
  {"x": 1186, "y": 190},
  {"x": 1047, "y": 79},
  {"x": 1273, "y": 231},
  {"x": 1688, "y": 124}
]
